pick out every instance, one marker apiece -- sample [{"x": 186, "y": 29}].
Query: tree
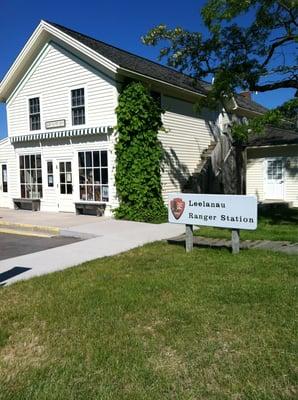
[
  {"x": 257, "y": 55},
  {"x": 260, "y": 56}
]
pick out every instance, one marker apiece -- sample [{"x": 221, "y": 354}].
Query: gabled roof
[
  {"x": 135, "y": 63},
  {"x": 149, "y": 68},
  {"x": 248, "y": 104},
  {"x": 113, "y": 58},
  {"x": 274, "y": 136}
]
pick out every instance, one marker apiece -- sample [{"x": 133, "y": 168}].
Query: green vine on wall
[{"x": 138, "y": 156}]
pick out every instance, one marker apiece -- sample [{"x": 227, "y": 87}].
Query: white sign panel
[
  {"x": 55, "y": 124},
  {"x": 223, "y": 211}
]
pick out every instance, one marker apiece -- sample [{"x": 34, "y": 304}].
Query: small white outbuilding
[{"x": 272, "y": 166}]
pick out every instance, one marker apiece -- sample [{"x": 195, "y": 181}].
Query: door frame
[{"x": 66, "y": 200}]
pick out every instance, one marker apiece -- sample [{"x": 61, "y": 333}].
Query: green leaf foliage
[
  {"x": 138, "y": 156},
  {"x": 284, "y": 116},
  {"x": 259, "y": 54}
]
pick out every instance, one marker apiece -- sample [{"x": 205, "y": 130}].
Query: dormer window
[
  {"x": 78, "y": 106},
  {"x": 34, "y": 114}
]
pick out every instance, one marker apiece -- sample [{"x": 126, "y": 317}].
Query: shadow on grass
[
  {"x": 278, "y": 214},
  {"x": 213, "y": 246}
]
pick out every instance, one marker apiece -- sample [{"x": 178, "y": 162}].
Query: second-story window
[
  {"x": 34, "y": 114},
  {"x": 78, "y": 106}
]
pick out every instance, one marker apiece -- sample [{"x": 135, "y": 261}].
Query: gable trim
[
  {"x": 41, "y": 56},
  {"x": 43, "y": 30},
  {"x": 29, "y": 72}
]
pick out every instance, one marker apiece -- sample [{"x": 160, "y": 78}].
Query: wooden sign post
[
  {"x": 188, "y": 238},
  {"x": 235, "y": 241},
  {"x": 223, "y": 211}
]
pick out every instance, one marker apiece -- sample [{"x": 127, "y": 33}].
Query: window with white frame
[
  {"x": 31, "y": 176},
  {"x": 78, "y": 106},
  {"x": 65, "y": 172},
  {"x": 274, "y": 169},
  {"x": 93, "y": 173},
  {"x": 4, "y": 178},
  {"x": 50, "y": 174},
  {"x": 34, "y": 114}
]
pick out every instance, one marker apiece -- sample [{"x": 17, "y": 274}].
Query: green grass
[
  {"x": 273, "y": 224},
  {"x": 154, "y": 323}
]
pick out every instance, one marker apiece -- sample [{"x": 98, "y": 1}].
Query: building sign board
[
  {"x": 60, "y": 123},
  {"x": 222, "y": 211}
]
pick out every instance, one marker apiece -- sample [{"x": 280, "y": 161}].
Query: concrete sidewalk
[
  {"x": 110, "y": 237},
  {"x": 45, "y": 219}
]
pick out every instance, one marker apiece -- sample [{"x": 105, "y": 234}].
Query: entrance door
[
  {"x": 65, "y": 187},
  {"x": 274, "y": 179},
  {"x": 4, "y": 199}
]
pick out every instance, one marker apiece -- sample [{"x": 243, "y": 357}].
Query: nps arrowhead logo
[{"x": 177, "y": 207}]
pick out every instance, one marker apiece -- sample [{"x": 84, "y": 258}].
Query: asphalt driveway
[{"x": 17, "y": 245}]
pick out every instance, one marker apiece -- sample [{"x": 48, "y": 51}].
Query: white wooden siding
[
  {"x": 255, "y": 177},
  {"x": 62, "y": 149},
  {"x": 52, "y": 78},
  {"x": 256, "y": 171},
  {"x": 187, "y": 135},
  {"x": 8, "y": 156}
]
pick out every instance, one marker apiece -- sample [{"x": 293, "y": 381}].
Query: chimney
[{"x": 246, "y": 94}]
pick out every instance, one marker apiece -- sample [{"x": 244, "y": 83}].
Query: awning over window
[{"x": 61, "y": 134}]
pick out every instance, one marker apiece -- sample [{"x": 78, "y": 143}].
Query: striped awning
[{"x": 61, "y": 134}]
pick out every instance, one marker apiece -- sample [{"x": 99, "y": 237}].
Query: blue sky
[{"x": 120, "y": 23}]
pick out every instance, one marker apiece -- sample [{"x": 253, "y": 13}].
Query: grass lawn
[
  {"x": 277, "y": 224},
  {"x": 154, "y": 323}
]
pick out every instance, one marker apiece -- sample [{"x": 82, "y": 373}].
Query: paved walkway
[
  {"x": 201, "y": 241},
  {"x": 103, "y": 237},
  {"x": 108, "y": 237},
  {"x": 45, "y": 219}
]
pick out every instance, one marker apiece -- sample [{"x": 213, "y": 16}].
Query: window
[
  {"x": 50, "y": 174},
  {"x": 156, "y": 96},
  {"x": 34, "y": 114},
  {"x": 93, "y": 172},
  {"x": 31, "y": 176},
  {"x": 4, "y": 178},
  {"x": 274, "y": 169},
  {"x": 78, "y": 106},
  {"x": 65, "y": 177}
]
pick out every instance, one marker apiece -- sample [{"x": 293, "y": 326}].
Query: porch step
[{"x": 204, "y": 157}]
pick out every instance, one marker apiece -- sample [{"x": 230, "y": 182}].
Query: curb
[
  {"x": 77, "y": 235},
  {"x": 27, "y": 227},
  {"x": 25, "y": 233}
]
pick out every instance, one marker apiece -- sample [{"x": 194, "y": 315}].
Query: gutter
[
  {"x": 272, "y": 145},
  {"x": 125, "y": 70}
]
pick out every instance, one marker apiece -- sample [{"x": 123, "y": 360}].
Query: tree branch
[
  {"x": 274, "y": 46},
  {"x": 290, "y": 11},
  {"x": 289, "y": 83}
]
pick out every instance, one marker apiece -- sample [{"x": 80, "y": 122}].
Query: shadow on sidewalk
[{"x": 11, "y": 273}]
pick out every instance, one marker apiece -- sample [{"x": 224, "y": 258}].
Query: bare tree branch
[
  {"x": 289, "y": 83},
  {"x": 275, "y": 46}
]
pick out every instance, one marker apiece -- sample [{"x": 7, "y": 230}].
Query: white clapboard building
[{"x": 61, "y": 94}]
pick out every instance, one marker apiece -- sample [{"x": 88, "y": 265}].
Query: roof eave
[
  {"x": 248, "y": 111},
  {"x": 271, "y": 145},
  {"x": 25, "y": 52},
  {"x": 126, "y": 71}
]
